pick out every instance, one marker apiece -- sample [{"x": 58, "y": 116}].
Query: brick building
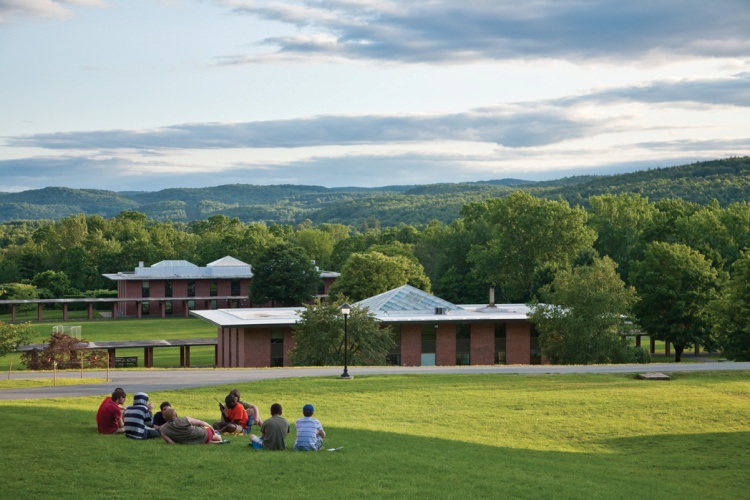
[
  {"x": 428, "y": 331},
  {"x": 223, "y": 283},
  {"x": 175, "y": 287}
]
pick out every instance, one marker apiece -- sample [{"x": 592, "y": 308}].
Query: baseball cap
[{"x": 308, "y": 408}]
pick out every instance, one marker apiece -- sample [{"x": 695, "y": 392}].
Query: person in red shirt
[
  {"x": 234, "y": 419},
  {"x": 109, "y": 416}
]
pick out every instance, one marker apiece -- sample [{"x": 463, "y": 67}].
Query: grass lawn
[{"x": 418, "y": 436}]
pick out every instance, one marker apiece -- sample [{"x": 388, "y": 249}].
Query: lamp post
[{"x": 345, "y": 310}]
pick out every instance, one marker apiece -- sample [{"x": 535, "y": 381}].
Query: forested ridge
[{"x": 726, "y": 181}]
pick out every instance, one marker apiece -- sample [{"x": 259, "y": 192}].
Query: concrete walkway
[{"x": 167, "y": 380}]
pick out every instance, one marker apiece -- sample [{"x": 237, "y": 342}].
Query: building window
[
  {"x": 277, "y": 347},
  {"x": 235, "y": 287},
  {"x": 394, "y": 356},
  {"x": 168, "y": 307},
  {"x": 463, "y": 344},
  {"x": 191, "y": 305},
  {"x": 168, "y": 288},
  {"x": 145, "y": 291},
  {"x": 145, "y": 308},
  {"x": 500, "y": 344},
  {"x": 213, "y": 304},
  {"x": 536, "y": 352},
  {"x": 191, "y": 288},
  {"x": 428, "y": 345},
  {"x": 214, "y": 288}
]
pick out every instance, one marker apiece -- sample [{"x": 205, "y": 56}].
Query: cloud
[
  {"x": 445, "y": 31},
  {"x": 515, "y": 125},
  {"x": 509, "y": 126},
  {"x": 41, "y": 9}
]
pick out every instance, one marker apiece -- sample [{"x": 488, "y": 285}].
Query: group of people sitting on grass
[{"x": 237, "y": 417}]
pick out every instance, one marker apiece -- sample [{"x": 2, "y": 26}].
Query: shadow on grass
[{"x": 57, "y": 451}]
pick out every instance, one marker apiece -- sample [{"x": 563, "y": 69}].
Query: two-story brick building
[{"x": 427, "y": 330}]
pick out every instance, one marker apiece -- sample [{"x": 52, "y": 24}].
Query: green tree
[
  {"x": 526, "y": 233},
  {"x": 730, "y": 313},
  {"x": 675, "y": 283},
  {"x": 319, "y": 337},
  {"x": 56, "y": 283},
  {"x": 620, "y": 222},
  {"x": 14, "y": 335},
  {"x": 583, "y": 317},
  {"x": 370, "y": 273},
  {"x": 283, "y": 275}
]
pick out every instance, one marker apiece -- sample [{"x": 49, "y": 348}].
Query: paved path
[{"x": 163, "y": 380}]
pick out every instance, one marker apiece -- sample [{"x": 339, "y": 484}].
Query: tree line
[{"x": 675, "y": 268}]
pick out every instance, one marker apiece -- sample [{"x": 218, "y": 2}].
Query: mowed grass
[
  {"x": 135, "y": 329},
  {"x": 412, "y": 436}
]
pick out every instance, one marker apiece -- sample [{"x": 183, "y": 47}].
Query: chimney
[
  {"x": 140, "y": 263},
  {"x": 492, "y": 297}
]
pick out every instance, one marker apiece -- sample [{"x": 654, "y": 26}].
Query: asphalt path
[{"x": 167, "y": 380}]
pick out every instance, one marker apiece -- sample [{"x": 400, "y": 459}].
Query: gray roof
[
  {"x": 227, "y": 267},
  {"x": 405, "y": 304},
  {"x": 405, "y": 298}
]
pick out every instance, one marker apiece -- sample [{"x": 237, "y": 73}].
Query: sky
[{"x": 138, "y": 95}]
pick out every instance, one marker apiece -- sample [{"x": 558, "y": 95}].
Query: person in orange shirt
[{"x": 234, "y": 419}]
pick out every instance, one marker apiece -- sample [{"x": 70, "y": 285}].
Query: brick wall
[
  {"x": 257, "y": 346},
  {"x": 483, "y": 344},
  {"x": 445, "y": 345},
  {"x": 411, "y": 345},
  {"x": 518, "y": 343}
]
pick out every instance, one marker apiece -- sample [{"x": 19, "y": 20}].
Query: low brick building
[
  {"x": 221, "y": 284},
  {"x": 428, "y": 331}
]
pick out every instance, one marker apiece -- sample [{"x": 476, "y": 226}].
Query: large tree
[
  {"x": 525, "y": 233},
  {"x": 319, "y": 337},
  {"x": 370, "y": 273},
  {"x": 284, "y": 276},
  {"x": 675, "y": 283},
  {"x": 583, "y": 317},
  {"x": 730, "y": 313},
  {"x": 14, "y": 335}
]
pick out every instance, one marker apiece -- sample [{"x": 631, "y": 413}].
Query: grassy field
[{"x": 418, "y": 436}]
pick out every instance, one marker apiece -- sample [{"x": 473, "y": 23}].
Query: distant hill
[{"x": 726, "y": 180}]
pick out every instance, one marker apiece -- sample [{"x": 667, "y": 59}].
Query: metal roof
[{"x": 405, "y": 298}]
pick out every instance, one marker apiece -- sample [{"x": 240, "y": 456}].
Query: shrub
[{"x": 66, "y": 351}]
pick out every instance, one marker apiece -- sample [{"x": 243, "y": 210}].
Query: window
[
  {"x": 500, "y": 347},
  {"x": 428, "y": 345},
  {"x": 191, "y": 288},
  {"x": 145, "y": 308},
  {"x": 168, "y": 307},
  {"x": 463, "y": 344},
  {"x": 168, "y": 288},
  {"x": 145, "y": 290},
  {"x": 394, "y": 356},
  {"x": 277, "y": 347},
  {"x": 214, "y": 288},
  {"x": 235, "y": 287}
]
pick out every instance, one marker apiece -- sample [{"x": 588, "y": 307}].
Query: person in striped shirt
[
  {"x": 310, "y": 432},
  {"x": 138, "y": 418}
]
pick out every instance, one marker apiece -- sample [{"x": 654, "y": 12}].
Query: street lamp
[{"x": 345, "y": 310}]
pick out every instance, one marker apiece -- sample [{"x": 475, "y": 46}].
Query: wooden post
[
  {"x": 81, "y": 363},
  {"x": 107, "y": 366},
  {"x": 10, "y": 367},
  {"x": 54, "y": 373}
]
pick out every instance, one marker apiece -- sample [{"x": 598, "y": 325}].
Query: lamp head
[{"x": 345, "y": 309}]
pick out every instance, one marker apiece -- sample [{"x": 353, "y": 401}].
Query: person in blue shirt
[{"x": 310, "y": 432}]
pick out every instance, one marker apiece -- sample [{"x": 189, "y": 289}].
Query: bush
[
  {"x": 66, "y": 351},
  {"x": 640, "y": 355}
]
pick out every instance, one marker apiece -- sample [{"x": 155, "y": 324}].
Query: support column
[
  {"x": 65, "y": 311},
  {"x": 187, "y": 356},
  {"x": 112, "y": 355},
  {"x": 638, "y": 341},
  {"x": 163, "y": 309},
  {"x": 13, "y": 312},
  {"x": 185, "y": 308},
  {"x": 653, "y": 344},
  {"x": 39, "y": 312},
  {"x": 148, "y": 355},
  {"x": 138, "y": 309},
  {"x": 114, "y": 310},
  {"x": 90, "y": 311},
  {"x": 182, "y": 356}
]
